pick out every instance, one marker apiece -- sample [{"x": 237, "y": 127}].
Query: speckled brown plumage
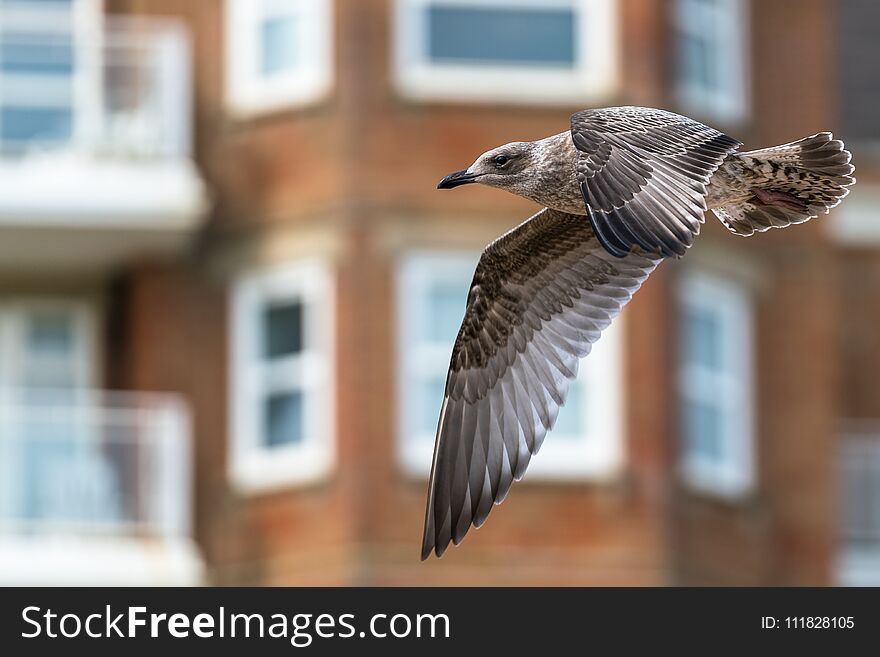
[
  {"x": 541, "y": 296},
  {"x": 513, "y": 260},
  {"x": 804, "y": 179}
]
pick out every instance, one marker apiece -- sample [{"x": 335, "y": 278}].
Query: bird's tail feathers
[{"x": 805, "y": 178}]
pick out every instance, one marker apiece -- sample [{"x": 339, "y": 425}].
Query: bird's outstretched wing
[
  {"x": 540, "y": 297},
  {"x": 643, "y": 173}
]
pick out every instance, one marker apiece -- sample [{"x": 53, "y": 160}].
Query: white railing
[
  {"x": 858, "y": 561},
  {"x": 860, "y": 477},
  {"x": 93, "y": 462},
  {"x": 122, "y": 90}
]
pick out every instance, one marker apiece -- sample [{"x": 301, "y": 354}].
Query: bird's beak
[{"x": 457, "y": 178}]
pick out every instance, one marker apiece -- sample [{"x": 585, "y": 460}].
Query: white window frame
[
  {"x": 593, "y": 79},
  {"x": 246, "y": 91},
  {"x": 729, "y": 22},
  {"x": 253, "y": 467},
  {"x": 595, "y": 455},
  {"x": 731, "y": 392}
]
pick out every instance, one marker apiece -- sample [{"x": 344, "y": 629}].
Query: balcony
[
  {"x": 95, "y": 142},
  {"x": 95, "y": 488},
  {"x": 859, "y": 561}
]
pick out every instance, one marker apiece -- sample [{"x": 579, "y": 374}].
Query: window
[
  {"x": 46, "y": 75},
  {"x": 711, "y": 57},
  {"x": 859, "y": 477},
  {"x": 278, "y": 53},
  {"x": 46, "y": 343},
  {"x": 432, "y": 290},
  {"x": 281, "y": 393},
  {"x": 47, "y": 362},
  {"x": 534, "y": 51},
  {"x": 715, "y": 385},
  {"x": 857, "y": 78}
]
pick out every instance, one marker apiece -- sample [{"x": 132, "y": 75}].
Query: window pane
[
  {"x": 431, "y": 396},
  {"x": 699, "y": 46},
  {"x": 278, "y": 45},
  {"x": 446, "y": 305},
  {"x": 40, "y": 3},
  {"x": 858, "y": 80},
  {"x": 62, "y": 480},
  {"x": 51, "y": 333},
  {"x": 570, "y": 424},
  {"x": 506, "y": 36},
  {"x": 702, "y": 6},
  {"x": 51, "y": 354},
  {"x": 283, "y": 329},
  {"x": 697, "y": 61},
  {"x": 34, "y": 54},
  {"x": 860, "y": 477},
  {"x": 703, "y": 432},
  {"x": 283, "y": 419},
  {"x": 35, "y": 123},
  {"x": 702, "y": 338}
]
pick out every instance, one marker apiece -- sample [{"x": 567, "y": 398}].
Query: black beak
[{"x": 458, "y": 178}]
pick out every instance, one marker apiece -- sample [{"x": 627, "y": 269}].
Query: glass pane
[
  {"x": 35, "y": 54},
  {"x": 51, "y": 352},
  {"x": 697, "y": 61},
  {"x": 283, "y": 415},
  {"x": 703, "y": 6},
  {"x": 861, "y": 493},
  {"x": 40, "y": 3},
  {"x": 50, "y": 372},
  {"x": 51, "y": 333},
  {"x": 859, "y": 83},
  {"x": 703, "y": 431},
  {"x": 431, "y": 397},
  {"x": 570, "y": 423},
  {"x": 702, "y": 338},
  {"x": 506, "y": 36},
  {"x": 446, "y": 304},
  {"x": 62, "y": 479},
  {"x": 278, "y": 45},
  {"x": 47, "y": 124},
  {"x": 283, "y": 329}
]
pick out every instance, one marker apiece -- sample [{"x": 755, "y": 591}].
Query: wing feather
[
  {"x": 541, "y": 296},
  {"x": 643, "y": 173}
]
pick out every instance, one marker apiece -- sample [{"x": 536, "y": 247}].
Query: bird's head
[{"x": 510, "y": 167}]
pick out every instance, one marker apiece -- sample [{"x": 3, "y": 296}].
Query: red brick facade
[{"x": 353, "y": 177}]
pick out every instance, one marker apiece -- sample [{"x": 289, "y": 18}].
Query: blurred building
[
  {"x": 226, "y": 211},
  {"x": 96, "y": 175}
]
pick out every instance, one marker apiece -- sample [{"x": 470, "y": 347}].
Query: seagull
[{"x": 622, "y": 190}]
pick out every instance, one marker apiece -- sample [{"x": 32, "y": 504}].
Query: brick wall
[{"x": 359, "y": 169}]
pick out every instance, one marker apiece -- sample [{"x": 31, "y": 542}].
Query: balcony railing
[
  {"x": 860, "y": 513},
  {"x": 122, "y": 90},
  {"x": 88, "y": 463},
  {"x": 861, "y": 497}
]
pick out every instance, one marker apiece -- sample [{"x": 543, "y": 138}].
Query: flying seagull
[{"x": 623, "y": 189}]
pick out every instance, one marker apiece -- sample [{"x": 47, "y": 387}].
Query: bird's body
[
  {"x": 559, "y": 189},
  {"x": 623, "y": 189}
]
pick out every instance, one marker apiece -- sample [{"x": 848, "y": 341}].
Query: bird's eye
[{"x": 501, "y": 160}]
